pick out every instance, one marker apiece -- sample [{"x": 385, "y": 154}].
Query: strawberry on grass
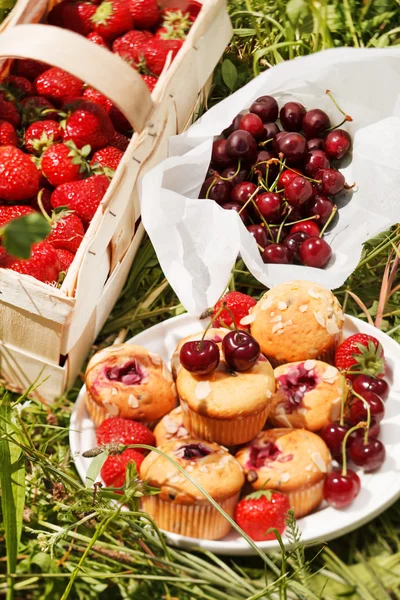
[
  {"x": 261, "y": 511},
  {"x": 238, "y": 305},
  {"x": 360, "y": 353},
  {"x": 124, "y": 431},
  {"x": 113, "y": 472}
]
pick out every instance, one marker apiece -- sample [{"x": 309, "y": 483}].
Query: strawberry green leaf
[
  {"x": 19, "y": 235},
  {"x": 95, "y": 468},
  {"x": 260, "y": 494}
]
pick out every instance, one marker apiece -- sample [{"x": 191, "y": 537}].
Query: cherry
[
  {"x": 200, "y": 357},
  {"x": 294, "y": 241},
  {"x": 277, "y": 138},
  {"x": 273, "y": 169},
  {"x": 274, "y": 232},
  {"x": 270, "y": 130},
  {"x": 242, "y": 192},
  {"x": 265, "y": 107},
  {"x": 358, "y": 411},
  {"x": 298, "y": 191},
  {"x": 211, "y": 172},
  {"x": 293, "y": 146},
  {"x": 244, "y": 215},
  {"x": 315, "y": 160},
  {"x": 315, "y": 252},
  {"x": 270, "y": 206},
  {"x": 366, "y": 383},
  {"x": 333, "y": 436},
  {"x": 292, "y": 115},
  {"x": 254, "y": 125},
  {"x": 332, "y": 181},
  {"x": 234, "y": 126},
  {"x": 337, "y": 144},
  {"x": 241, "y": 144},
  {"x": 233, "y": 176},
  {"x": 315, "y": 122},
  {"x": 340, "y": 490},
  {"x": 241, "y": 350},
  {"x": 219, "y": 155},
  {"x": 258, "y": 232},
  {"x": 373, "y": 432},
  {"x": 278, "y": 254},
  {"x": 308, "y": 227},
  {"x": 369, "y": 455},
  {"x": 315, "y": 144},
  {"x": 219, "y": 191},
  {"x": 320, "y": 206},
  {"x": 287, "y": 176}
]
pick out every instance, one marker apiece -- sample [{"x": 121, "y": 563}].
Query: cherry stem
[
  {"x": 262, "y": 144},
  {"x": 344, "y": 396},
  {"x": 40, "y": 203},
  {"x": 333, "y": 213},
  {"x": 232, "y": 176},
  {"x": 212, "y": 321},
  {"x": 367, "y": 406},
  {"x": 266, "y": 225},
  {"x": 281, "y": 167},
  {"x": 313, "y": 218},
  {"x": 250, "y": 198},
  {"x": 329, "y": 93},
  {"x": 345, "y": 120},
  {"x": 210, "y": 186},
  {"x": 282, "y": 224},
  {"x": 299, "y": 174},
  {"x": 344, "y": 444}
]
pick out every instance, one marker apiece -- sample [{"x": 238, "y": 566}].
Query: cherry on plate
[
  {"x": 241, "y": 350},
  {"x": 332, "y": 181},
  {"x": 270, "y": 206},
  {"x": 200, "y": 357},
  {"x": 298, "y": 191},
  {"x": 315, "y": 160},
  {"x": 254, "y": 125},
  {"x": 340, "y": 490},
  {"x": 315, "y": 252},
  {"x": 242, "y": 192},
  {"x": 286, "y": 176},
  {"x": 219, "y": 155},
  {"x": 218, "y": 190},
  {"x": 315, "y": 144},
  {"x": 315, "y": 122},
  {"x": 241, "y": 145},
  {"x": 265, "y": 107},
  {"x": 278, "y": 254},
  {"x": 369, "y": 455},
  {"x": 259, "y": 234},
  {"x": 294, "y": 241},
  {"x": 337, "y": 144},
  {"x": 358, "y": 411},
  {"x": 292, "y": 145},
  {"x": 292, "y": 115},
  {"x": 366, "y": 383},
  {"x": 373, "y": 432},
  {"x": 308, "y": 227},
  {"x": 320, "y": 206}
]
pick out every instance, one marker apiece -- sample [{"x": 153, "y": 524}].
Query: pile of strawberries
[{"x": 137, "y": 30}]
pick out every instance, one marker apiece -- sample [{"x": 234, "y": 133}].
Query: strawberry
[
  {"x": 156, "y": 51},
  {"x": 112, "y": 18},
  {"x": 108, "y": 157},
  {"x": 76, "y": 16},
  {"x": 83, "y": 196},
  {"x": 65, "y": 259},
  {"x": 19, "y": 177},
  {"x": 62, "y": 163},
  {"x": 89, "y": 124},
  {"x": 119, "y": 121},
  {"x": 174, "y": 13},
  {"x": 127, "y": 45},
  {"x": 57, "y": 85},
  {"x": 67, "y": 231},
  {"x": 45, "y": 201},
  {"x": 96, "y": 97},
  {"x": 150, "y": 81},
  {"x": 124, "y": 431},
  {"x": 120, "y": 141},
  {"x": 8, "y": 135},
  {"x": 113, "y": 472},
  {"x": 37, "y": 108},
  {"x": 239, "y": 305},
  {"x": 26, "y": 67},
  {"x": 9, "y": 112},
  {"x": 361, "y": 353},
  {"x": 43, "y": 263},
  {"x": 40, "y": 135},
  {"x": 117, "y": 118},
  {"x": 175, "y": 25},
  {"x": 261, "y": 511},
  {"x": 15, "y": 87},
  {"x": 9, "y": 213},
  {"x": 145, "y": 13},
  {"x": 97, "y": 39}
]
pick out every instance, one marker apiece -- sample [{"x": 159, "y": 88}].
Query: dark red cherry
[
  {"x": 333, "y": 436},
  {"x": 315, "y": 160},
  {"x": 200, "y": 357},
  {"x": 254, "y": 125},
  {"x": 277, "y": 254},
  {"x": 293, "y": 146},
  {"x": 261, "y": 165},
  {"x": 315, "y": 123},
  {"x": 370, "y": 455},
  {"x": 298, "y": 191},
  {"x": 275, "y": 142},
  {"x": 287, "y": 176},
  {"x": 340, "y": 490},
  {"x": 358, "y": 412},
  {"x": 315, "y": 144},
  {"x": 315, "y": 252},
  {"x": 234, "y": 126},
  {"x": 234, "y": 176},
  {"x": 243, "y": 214},
  {"x": 241, "y": 350},
  {"x": 337, "y": 144},
  {"x": 270, "y": 131},
  {"x": 320, "y": 206},
  {"x": 332, "y": 181},
  {"x": 217, "y": 190},
  {"x": 270, "y": 206},
  {"x": 294, "y": 241},
  {"x": 373, "y": 432},
  {"x": 308, "y": 227},
  {"x": 242, "y": 192},
  {"x": 242, "y": 145},
  {"x": 274, "y": 232},
  {"x": 266, "y": 107},
  {"x": 366, "y": 383},
  {"x": 259, "y": 234},
  {"x": 292, "y": 115},
  {"x": 219, "y": 155}
]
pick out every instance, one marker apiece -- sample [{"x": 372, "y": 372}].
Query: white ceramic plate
[{"x": 379, "y": 490}]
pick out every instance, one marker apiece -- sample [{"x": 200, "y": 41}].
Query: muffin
[
  {"x": 180, "y": 507},
  {"x": 171, "y": 428},
  {"x": 308, "y": 395},
  {"x": 297, "y": 321},
  {"x": 128, "y": 381},
  {"x": 214, "y": 334},
  {"x": 293, "y": 461},
  {"x": 225, "y": 406}
]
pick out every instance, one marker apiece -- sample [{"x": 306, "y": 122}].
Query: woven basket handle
[{"x": 98, "y": 67}]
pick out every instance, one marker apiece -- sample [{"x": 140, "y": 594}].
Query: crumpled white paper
[{"x": 197, "y": 241}]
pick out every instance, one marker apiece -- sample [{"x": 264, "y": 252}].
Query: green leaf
[
  {"x": 19, "y": 235},
  {"x": 229, "y": 74},
  {"x": 296, "y": 9},
  {"x": 95, "y": 468},
  {"x": 12, "y": 481}
]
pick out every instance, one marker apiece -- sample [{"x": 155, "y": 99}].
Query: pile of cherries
[
  {"x": 282, "y": 183},
  {"x": 360, "y": 445}
]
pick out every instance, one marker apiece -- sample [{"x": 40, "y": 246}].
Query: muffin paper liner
[{"x": 305, "y": 500}]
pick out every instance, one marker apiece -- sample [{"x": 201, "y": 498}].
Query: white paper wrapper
[{"x": 197, "y": 241}]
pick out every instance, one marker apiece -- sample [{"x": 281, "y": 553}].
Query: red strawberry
[
  {"x": 83, "y": 196},
  {"x": 16, "y": 87},
  {"x": 89, "y": 124},
  {"x": 65, "y": 259},
  {"x": 108, "y": 157},
  {"x": 113, "y": 471},
  {"x": 112, "y": 18},
  {"x": 261, "y": 511},
  {"x": 145, "y": 13},
  {"x": 43, "y": 263},
  {"x": 9, "y": 112},
  {"x": 8, "y": 135},
  {"x": 127, "y": 45},
  {"x": 119, "y": 121},
  {"x": 76, "y": 16},
  {"x": 57, "y": 85},
  {"x": 67, "y": 231},
  {"x": 150, "y": 81},
  {"x": 124, "y": 431},
  {"x": 9, "y": 213},
  {"x": 175, "y": 25},
  {"x": 156, "y": 51},
  {"x": 40, "y": 135},
  {"x": 120, "y": 141},
  {"x": 19, "y": 177},
  {"x": 35, "y": 108},
  {"x": 93, "y": 95},
  {"x": 26, "y": 67},
  {"x": 97, "y": 39},
  {"x": 239, "y": 304},
  {"x": 361, "y": 353},
  {"x": 174, "y": 13},
  {"x": 117, "y": 118},
  {"x": 62, "y": 163},
  {"x": 45, "y": 201}
]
